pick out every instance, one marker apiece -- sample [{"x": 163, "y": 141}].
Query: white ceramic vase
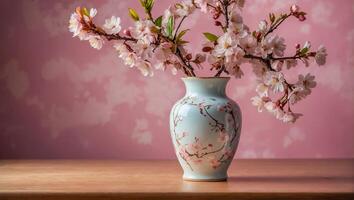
[{"x": 205, "y": 128}]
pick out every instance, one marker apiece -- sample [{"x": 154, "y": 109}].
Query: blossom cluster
[{"x": 158, "y": 44}]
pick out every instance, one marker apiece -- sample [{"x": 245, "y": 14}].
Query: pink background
[{"x": 59, "y": 98}]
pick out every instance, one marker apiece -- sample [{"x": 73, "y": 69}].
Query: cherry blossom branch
[
  {"x": 225, "y": 12},
  {"x": 276, "y": 25},
  {"x": 178, "y": 27}
]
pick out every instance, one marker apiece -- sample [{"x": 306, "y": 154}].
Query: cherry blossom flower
[
  {"x": 203, "y": 5},
  {"x": 262, "y": 26},
  {"x": 248, "y": 43},
  {"x": 276, "y": 81},
  {"x": 96, "y": 42},
  {"x": 262, "y": 90},
  {"x": 307, "y": 45},
  {"x": 290, "y": 117},
  {"x": 226, "y": 47},
  {"x": 273, "y": 44},
  {"x": 306, "y": 83},
  {"x": 259, "y": 102},
  {"x": 296, "y": 95},
  {"x": 75, "y": 25},
  {"x": 112, "y": 25},
  {"x": 321, "y": 55},
  {"x": 235, "y": 22},
  {"x": 146, "y": 31},
  {"x": 184, "y": 8},
  {"x": 145, "y": 68}
]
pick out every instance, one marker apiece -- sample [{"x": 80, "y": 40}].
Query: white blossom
[
  {"x": 145, "y": 31},
  {"x": 145, "y": 68},
  {"x": 96, "y": 42},
  {"x": 203, "y": 5},
  {"x": 307, "y": 45},
  {"x": 112, "y": 25},
  {"x": 235, "y": 22},
  {"x": 262, "y": 90},
  {"x": 248, "y": 43},
  {"x": 296, "y": 95},
  {"x": 74, "y": 24},
  {"x": 276, "y": 81},
  {"x": 184, "y": 8},
  {"x": 258, "y": 101},
  {"x": 273, "y": 44},
  {"x": 262, "y": 26},
  {"x": 227, "y": 48}
]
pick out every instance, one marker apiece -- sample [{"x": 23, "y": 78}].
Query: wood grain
[{"x": 249, "y": 179}]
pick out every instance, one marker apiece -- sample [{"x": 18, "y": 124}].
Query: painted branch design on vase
[{"x": 198, "y": 152}]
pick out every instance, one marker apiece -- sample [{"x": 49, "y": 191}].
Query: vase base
[{"x": 205, "y": 180}]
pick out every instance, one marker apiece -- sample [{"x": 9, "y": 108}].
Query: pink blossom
[
  {"x": 96, "y": 42},
  {"x": 112, "y": 25},
  {"x": 290, "y": 117},
  {"x": 258, "y": 101}
]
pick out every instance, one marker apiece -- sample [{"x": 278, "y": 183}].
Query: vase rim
[{"x": 201, "y": 78}]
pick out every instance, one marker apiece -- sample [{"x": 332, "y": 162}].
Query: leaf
[
  {"x": 181, "y": 34},
  {"x": 271, "y": 17},
  {"x": 142, "y": 2},
  {"x": 133, "y": 14},
  {"x": 85, "y": 12},
  {"x": 304, "y": 50},
  {"x": 158, "y": 21},
  {"x": 182, "y": 42},
  {"x": 149, "y": 4},
  {"x": 170, "y": 25},
  {"x": 211, "y": 37}
]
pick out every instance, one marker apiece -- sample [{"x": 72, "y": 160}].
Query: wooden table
[{"x": 249, "y": 179}]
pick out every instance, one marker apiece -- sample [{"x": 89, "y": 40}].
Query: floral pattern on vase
[{"x": 205, "y": 129}]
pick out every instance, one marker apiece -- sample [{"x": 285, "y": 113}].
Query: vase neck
[{"x": 205, "y": 86}]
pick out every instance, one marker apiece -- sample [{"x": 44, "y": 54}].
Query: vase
[{"x": 205, "y": 129}]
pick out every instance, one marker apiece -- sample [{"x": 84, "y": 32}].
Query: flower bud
[
  {"x": 297, "y": 46},
  {"x": 189, "y": 56},
  {"x": 127, "y": 32},
  {"x": 302, "y": 18},
  {"x": 294, "y": 8},
  {"x": 207, "y": 49},
  {"x": 216, "y": 15},
  {"x": 218, "y": 23}
]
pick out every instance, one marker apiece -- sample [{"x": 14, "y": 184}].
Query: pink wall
[{"x": 59, "y": 98}]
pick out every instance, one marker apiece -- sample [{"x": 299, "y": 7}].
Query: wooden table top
[{"x": 101, "y": 179}]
